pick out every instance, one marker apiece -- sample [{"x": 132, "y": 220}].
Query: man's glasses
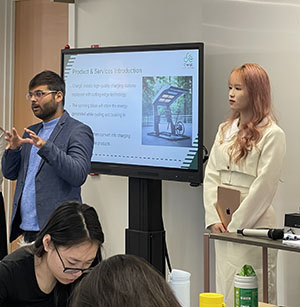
[
  {"x": 71, "y": 270},
  {"x": 38, "y": 94}
]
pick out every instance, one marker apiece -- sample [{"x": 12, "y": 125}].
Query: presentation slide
[{"x": 142, "y": 106}]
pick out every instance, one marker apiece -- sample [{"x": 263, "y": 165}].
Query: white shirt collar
[{"x": 233, "y": 129}]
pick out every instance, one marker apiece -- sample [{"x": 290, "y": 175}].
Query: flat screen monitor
[{"x": 144, "y": 105}]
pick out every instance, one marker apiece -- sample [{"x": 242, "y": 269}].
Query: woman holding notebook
[{"x": 246, "y": 158}]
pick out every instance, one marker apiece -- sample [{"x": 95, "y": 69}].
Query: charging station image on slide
[{"x": 167, "y": 111}]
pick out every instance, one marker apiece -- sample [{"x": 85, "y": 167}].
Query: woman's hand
[{"x": 217, "y": 228}]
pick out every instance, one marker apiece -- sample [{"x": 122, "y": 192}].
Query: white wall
[
  {"x": 234, "y": 32},
  {"x": 6, "y": 61}
]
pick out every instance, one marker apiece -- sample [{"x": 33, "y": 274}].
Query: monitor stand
[{"x": 145, "y": 236}]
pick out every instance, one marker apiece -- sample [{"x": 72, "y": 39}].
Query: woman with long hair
[
  {"x": 42, "y": 274},
  {"x": 124, "y": 280},
  {"x": 247, "y": 156}
]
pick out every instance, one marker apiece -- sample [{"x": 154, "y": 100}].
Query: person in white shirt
[{"x": 247, "y": 155}]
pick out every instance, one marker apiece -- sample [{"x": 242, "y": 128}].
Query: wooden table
[{"x": 265, "y": 243}]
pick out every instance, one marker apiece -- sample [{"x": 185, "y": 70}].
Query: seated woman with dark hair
[
  {"x": 41, "y": 274},
  {"x": 123, "y": 281}
]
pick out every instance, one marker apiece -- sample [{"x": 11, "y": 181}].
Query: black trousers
[{"x": 3, "y": 237}]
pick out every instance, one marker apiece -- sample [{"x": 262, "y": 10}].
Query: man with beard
[{"x": 50, "y": 161}]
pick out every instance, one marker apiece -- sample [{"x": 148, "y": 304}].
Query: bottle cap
[
  {"x": 179, "y": 275},
  {"x": 213, "y": 299}
]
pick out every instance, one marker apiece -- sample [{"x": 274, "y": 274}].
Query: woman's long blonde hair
[{"x": 257, "y": 82}]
